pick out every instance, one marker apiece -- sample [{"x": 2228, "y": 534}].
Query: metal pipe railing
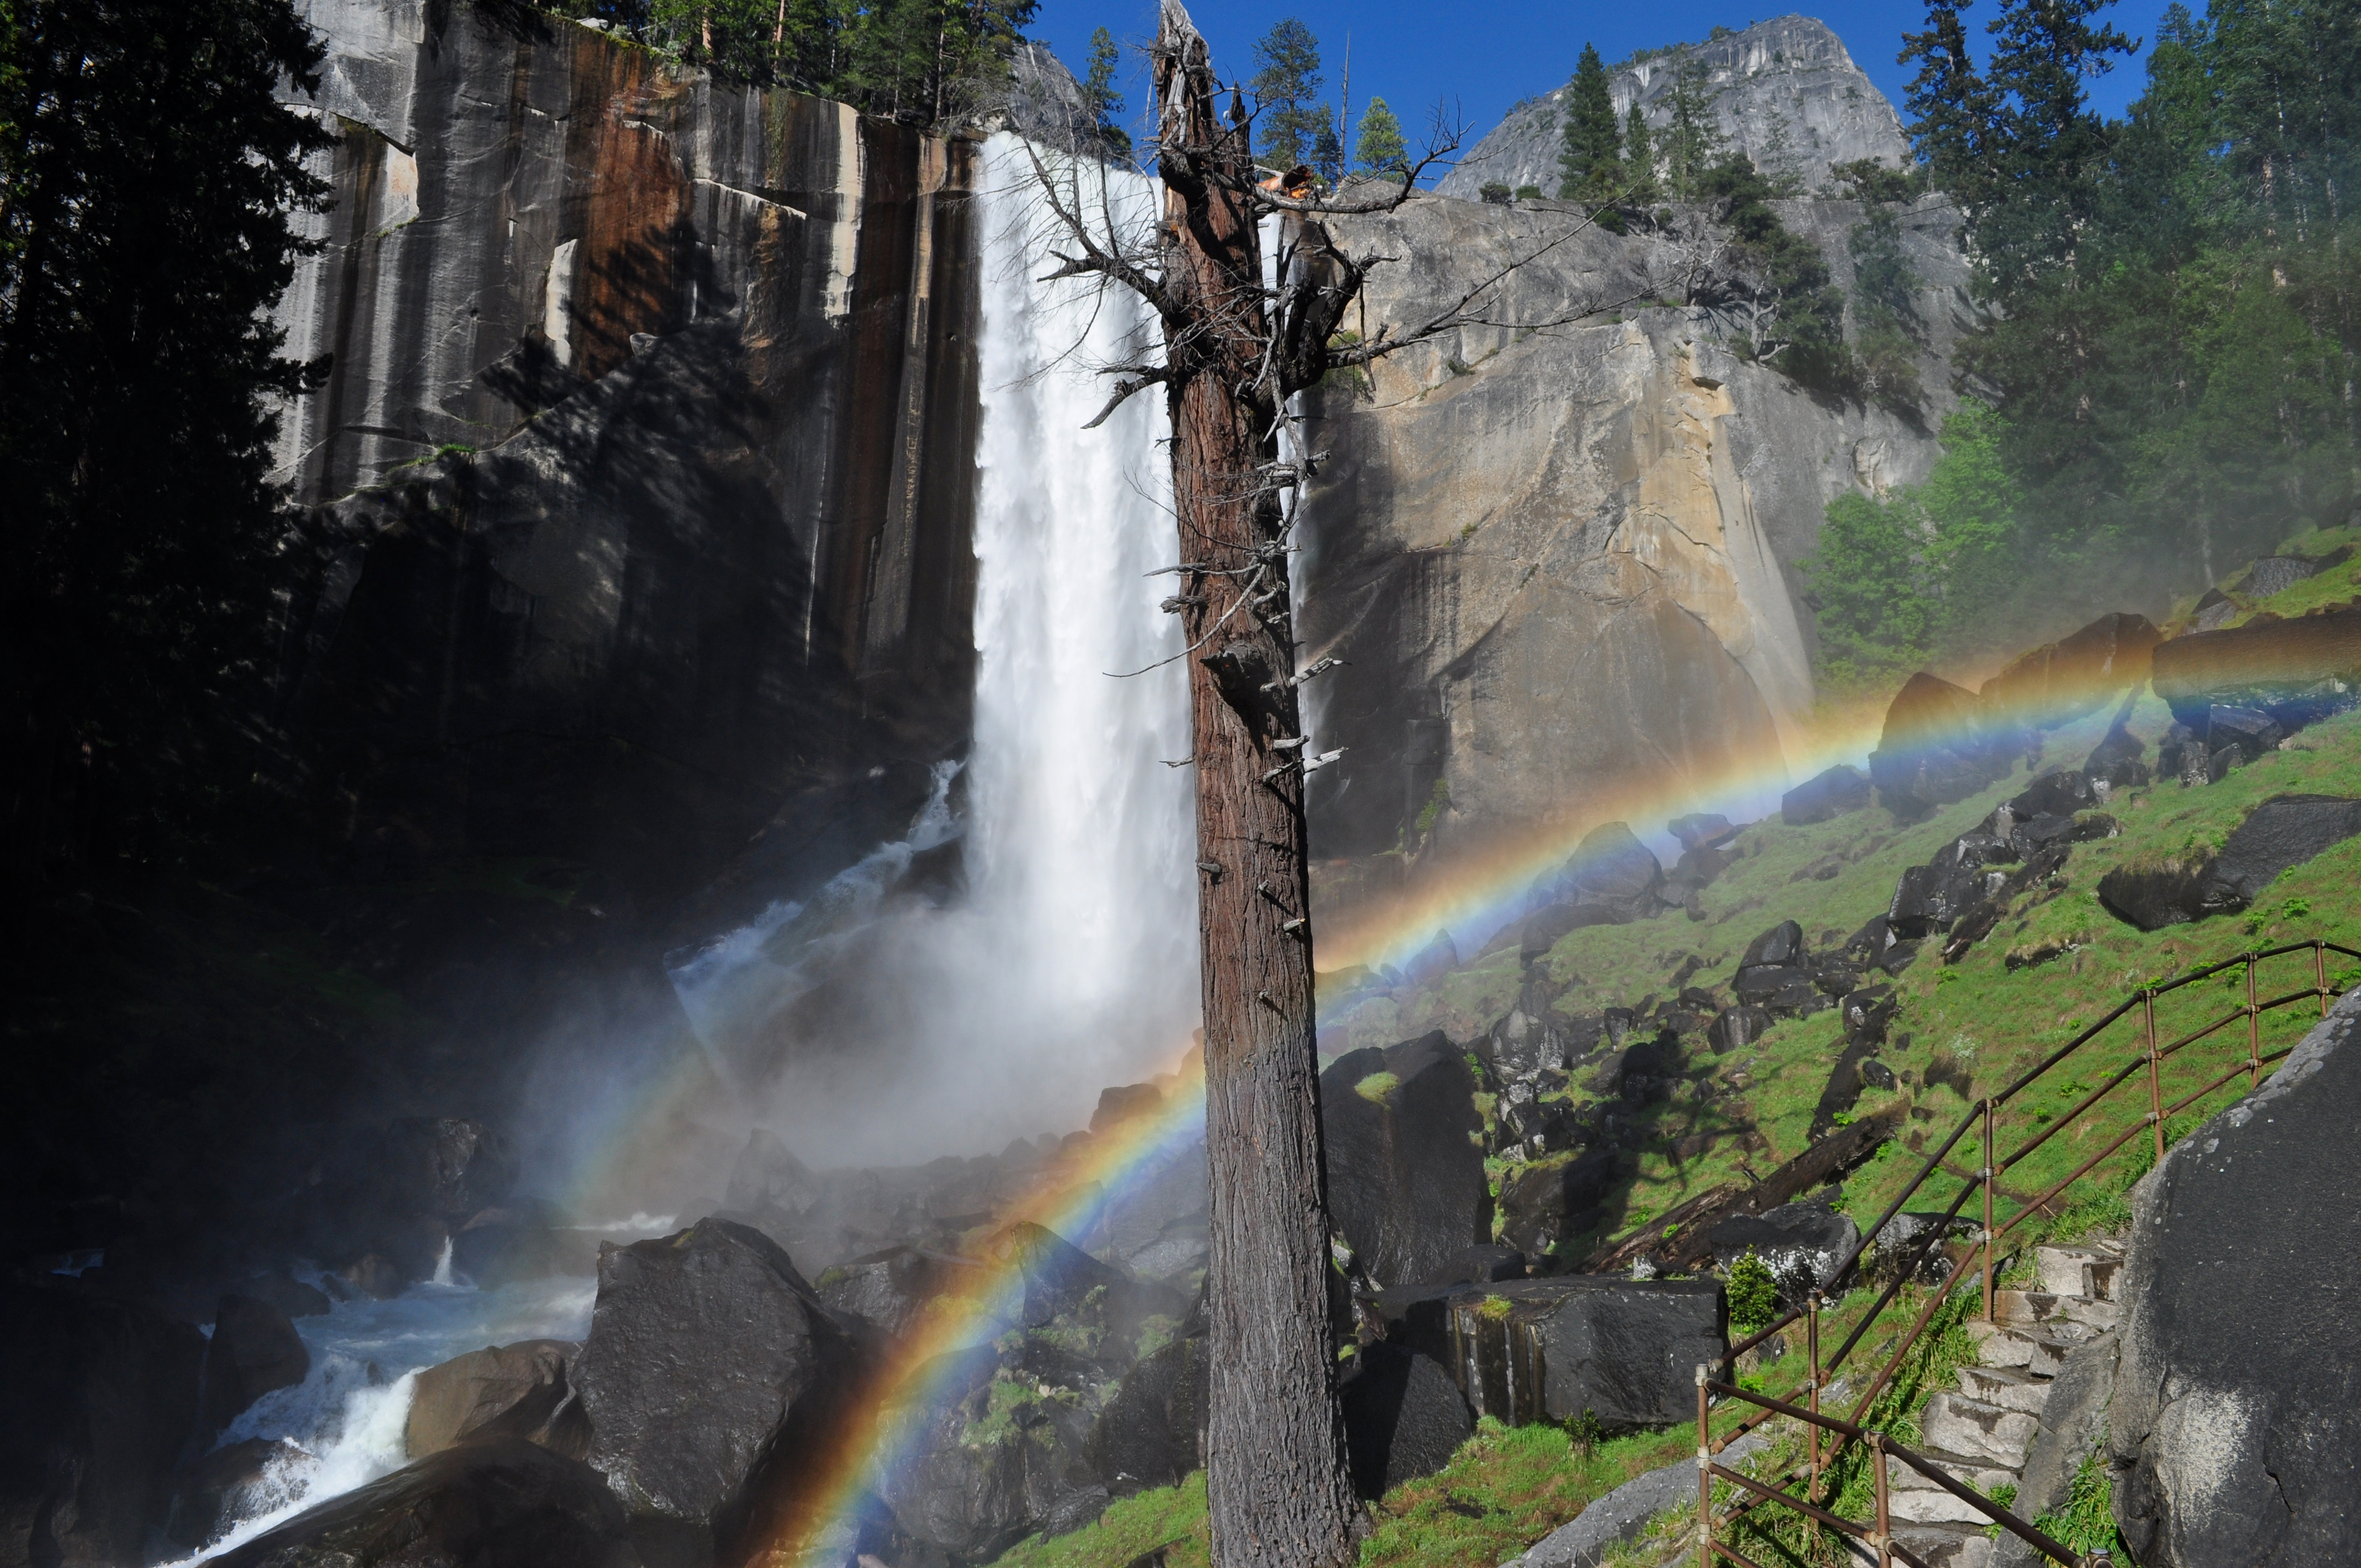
[{"x": 2150, "y": 1058}]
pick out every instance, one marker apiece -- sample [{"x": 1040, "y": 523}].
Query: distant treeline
[{"x": 2169, "y": 383}]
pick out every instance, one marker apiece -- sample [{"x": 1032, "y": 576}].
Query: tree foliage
[
  {"x": 148, "y": 173},
  {"x": 1590, "y": 164},
  {"x": 1285, "y": 88},
  {"x": 1099, "y": 95},
  {"x": 1379, "y": 148}
]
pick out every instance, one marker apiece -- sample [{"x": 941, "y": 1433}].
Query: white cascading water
[{"x": 1070, "y": 964}]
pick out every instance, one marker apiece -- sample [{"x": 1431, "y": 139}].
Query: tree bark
[{"x": 1279, "y": 1489}]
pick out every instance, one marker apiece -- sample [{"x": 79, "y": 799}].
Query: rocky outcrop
[
  {"x": 1786, "y": 80},
  {"x": 2286, "y": 830},
  {"x": 253, "y": 1351},
  {"x": 2232, "y": 1427},
  {"x": 2293, "y": 670},
  {"x": 516, "y": 1390},
  {"x": 699, "y": 363}
]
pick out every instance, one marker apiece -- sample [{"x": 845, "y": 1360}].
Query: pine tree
[
  {"x": 1639, "y": 157},
  {"x": 1100, "y": 99},
  {"x": 1379, "y": 148},
  {"x": 1693, "y": 140},
  {"x": 1589, "y": 169},
  {"x": 1287, "y": 77},
  {"x": 1328, "y": 150}
]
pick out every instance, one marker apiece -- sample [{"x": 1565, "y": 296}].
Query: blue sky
[{"x": 1486, "y": 56}]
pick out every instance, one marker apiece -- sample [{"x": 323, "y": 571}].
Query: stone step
[
  {"x": 1961, "y": 1425},
  {"x": 2077, "y": 1271},
  {"x": 1937, "y": 1546},
  {"x": 2005, "y": 1387},
  {"x": 1983, "y": 1474},
  {"x": 2045, "y": 1306},
  {"x": 2040, "y": 1352}
]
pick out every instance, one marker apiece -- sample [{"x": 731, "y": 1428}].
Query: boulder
[
  {"x": 1926, "y": 899},
  {"x": 253, "y": 1350},
  {"x": 1803, "y": 1243},
  {"x": 2061, "y": 791},
  {"x": 769, "y": 1176},
  {"x": 2242, "y": 729},
  {"x": 1700, "y": 831},
  {"x": 1901, "y": 1237},
  {"x": 2117, "y": 759},
  {"x": 1552, "y": 1200},
  {"x": 1437, "y": 958},
  {"x": 516, "y": 1241},
  {"x": 1781, "y": 992},
  {"x": 1735, "y": 1028},
  {"x": 1541, "y": 930},
  {"x": 1780, "y": 946},
  {"x": 1936, "y": 748},
  {"x": 2283, "y": 831},
  {"x": 2156, "y": 891},
  {"x": 500, "y": 1502},
  {"x": 2078, "y": 674},
  {"x": 1611, "y": 871},
  {"x": 1152, "y": 1433},
  {"x": 986, "y": 1455},
  {"x": 1866, "y": 1014},
  {"x": 1404, "y": 1418},
  {"x": 1063, "y": 1281},
  {"x": 2031, "y": 837},
  {"x": 2296, "y": 671},
  {"x": 1125, "y": 1103},
  {"x": 514, "y": 1390},
  {"x": 709, "y": 1362},
  {"x": 1698, "y": 868},
  {"x": 286, "y": 1292},
  {"x": 1842, "y": 1089},
  {"x": 1523, "y": 1350},
  {"x": 2276, "y": 574},
  {"x": 892, "y": 1288},
  {"x": 1483, "y": 1264},
  {"x": 1825, "y": 795},
  {"x": 2232, "y": 1427},
  {"x": 98, "y": 1399},
  {"x": 1406, "y": 1182},
  {"x": 232, "y": 1482}
]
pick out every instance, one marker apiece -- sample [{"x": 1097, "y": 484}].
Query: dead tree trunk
[{"x": 1276, "y": 1471}]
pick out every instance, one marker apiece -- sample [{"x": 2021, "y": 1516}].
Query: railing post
[
  {"x": 2155, "y": 1082},
  {"x": 1988, "y": 1208},
  {"x": 2254, "y": 1031},
  {"x": 1885, "y": 1523},
  {"x": 1811, "y": 1430},
  {"x": 2320, "y": 973},
  {"x": 1705, "y": 1477}
]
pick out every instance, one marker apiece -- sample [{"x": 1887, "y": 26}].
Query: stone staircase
[{"x": 1980, "y": 1431}]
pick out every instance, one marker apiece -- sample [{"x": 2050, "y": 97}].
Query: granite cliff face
[
  {"x": 1561, "y": 563},
  {"x": 1789, "y": 76},
  {"x": 716, "y": 344}
]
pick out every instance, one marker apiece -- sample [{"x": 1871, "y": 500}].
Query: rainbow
[
  {"x": 1480, "y": 889},
  {"x": 891, "y": 1419}
]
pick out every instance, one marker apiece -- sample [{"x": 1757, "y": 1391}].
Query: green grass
[
  {"x": 1170, "y": 1517},
  {"x": 1987, "y": 1021}
]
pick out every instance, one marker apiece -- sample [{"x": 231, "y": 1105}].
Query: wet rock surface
[
  {"x": 1405, "y": 1184},
  {"x": 253, "y": 1350},
  {"x": 515, "y": 1391}
]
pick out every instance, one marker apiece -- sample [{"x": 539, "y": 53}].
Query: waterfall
[{"x": 1070, "y": 965}]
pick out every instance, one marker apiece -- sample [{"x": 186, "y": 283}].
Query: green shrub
[{"x": 1753, "y": 1294}]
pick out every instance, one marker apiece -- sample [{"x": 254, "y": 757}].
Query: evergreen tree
[
  {"x": 1692, "y": 141},
  {"x": 1589, "y": 169},
  {"x": 1328, "y": 150},
  {"x": 1379, "y": 148},
  {"x": 1798, "y": 315},
  {"x": 148, "y": 173},
  {"x": 1286, "y": 80},
  {"x": 1639, "y": 157},
  {"x": 1100, "y": 99}
]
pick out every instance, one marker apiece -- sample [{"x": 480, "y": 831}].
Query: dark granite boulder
[
  {"x": 1866, "y": 1012},
  {"x": 1541, "y": 930},
  {"x": 1406, "y": 1185},
  {"x": 1437, "y": 958},
  {"x": 990, "y": 1454},
  {"x": 1613, "y": 873},
  {"x": 2117, "y": 759},
  {"x": 892, "y": 1287},
  {"x": 231, "y": 1482},
  {"x": 253, "y": 1351},
  {"x": 2060, "y": 793},
  {"x": 1803, "y": 1243},
  {"x": 2233, "y": 1426},
  {"x": 769, "y": 1176},
  {"x": 1936, "y": 748},
  {"x": 2242, "y": 731},
  {"x": 1482, "y": 1264},
  {"x": 499, "y": 1502},
  {"x": 516, "y": 1390},
  {"x": 1700, "y": 831},
  {"x": 2283, "y": 831},
  {"x": 1552, "y": 1199},
  {"x": 1624, "y": 1350},
  {"x": 1842, "y": 1089},
  {"x": 97, "y": 1400},
  {"x": 287, "y": 1293},
  {"x": 1404, "y": 1418},
  {"x": 710, "y": 1362},
  {"x": 1735, "y": 1028},
  {"x": 1780, "y": 946},
  {"x": 2296, "y": 669},
  {"x": 1825, "y": 795},
  {"x": 1152, "y": 1433},
  {"x": 2075, "y": 675}
]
